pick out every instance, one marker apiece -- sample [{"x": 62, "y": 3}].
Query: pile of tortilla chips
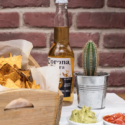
[{"x": 12, "y": 76}]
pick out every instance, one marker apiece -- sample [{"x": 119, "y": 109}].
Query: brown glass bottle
[{"x": 62, "y": 52}]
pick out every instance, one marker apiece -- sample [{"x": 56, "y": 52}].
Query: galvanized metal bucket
[{"x": 91, "y": 90}]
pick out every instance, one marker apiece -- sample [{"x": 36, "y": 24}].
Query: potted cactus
[
  {"x": 90, "y": 59},
  {"x": 91, "y": 85}
]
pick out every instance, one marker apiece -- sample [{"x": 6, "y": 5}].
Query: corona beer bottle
[{"x": 62, "y": 52}]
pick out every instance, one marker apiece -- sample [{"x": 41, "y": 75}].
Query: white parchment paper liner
[{"x": 47, "y": 77}]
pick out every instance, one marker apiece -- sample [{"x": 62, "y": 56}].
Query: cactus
[{"x": 90, "y": 59}]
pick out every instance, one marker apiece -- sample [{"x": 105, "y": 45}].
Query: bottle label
[{"x": 65, "y": 74}]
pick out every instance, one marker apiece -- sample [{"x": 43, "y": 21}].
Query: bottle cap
[{"x": 61, "y": 1}]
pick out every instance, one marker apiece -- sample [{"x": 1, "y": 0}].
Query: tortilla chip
[
  {"x": 27, "y": 85},
  {"x": 26, "y": 73},
  {"x": 1, "y": 66},
  {"x": 14, "y": 76},
  {"x": 11, "y": 84},
  {"x": 23, "y": 84},
  {"x": 19, "y": 83},
  {"x": 6, "y": 69},
  {"x": 3, "y": 83},
  {"x": 38, "y": 86},
  {"x": 30, "y": 83},
  {"x": 24, "y": 78},
  {"x": 1, "y": 77},
  {"x": 34, "y": 86},
  {"x": 16, "y": 60},
  {"x": 33, "y": 82}
]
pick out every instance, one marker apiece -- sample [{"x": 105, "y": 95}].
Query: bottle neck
[
  {"x": 61, "y": 16},
  {"x": 61, "y": 35},
  {"x": 61, "y": 30}
]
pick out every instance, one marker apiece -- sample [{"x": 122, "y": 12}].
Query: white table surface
[{"x": 113, "y": 104}]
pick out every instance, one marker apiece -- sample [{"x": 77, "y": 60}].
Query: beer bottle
[{"x": 62, "y": 52}]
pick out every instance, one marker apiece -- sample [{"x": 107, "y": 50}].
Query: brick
[
  {"x": 116, "y": 40},
  {"x": 24, "y": 3},
  {"x": 116, "y": 3},
  {"x": 117, "y": 78},
  {"x": 78, "y": 40},
  {"x": 41, "y": 58},
  {"x": 80, "y": 60},
  {"x": 86, "y": 3},
  {"x": 38, "y": 19},
  {"x": 37, "y": 39},
  {"x": 107, "y": 59},
  {"x": 101, "y": 20},
  {"x": 9, "y": 20},
  {"x": 112, "y": 59}
]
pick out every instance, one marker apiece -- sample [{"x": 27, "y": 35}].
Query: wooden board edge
[
  {"x": 60, "y": 93},
  {"x": 28, "y": 90},
  {"x": 59, "y": 108},
  {"x": 121, "y": 95}
]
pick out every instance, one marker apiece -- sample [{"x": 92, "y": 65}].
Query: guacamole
[{"x": 85, "y": 115}]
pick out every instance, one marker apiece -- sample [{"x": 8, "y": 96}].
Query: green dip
[{"x": 85, "y": 115}]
